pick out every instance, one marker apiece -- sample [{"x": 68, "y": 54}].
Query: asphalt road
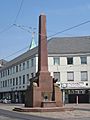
[{"x": 11, "y": 115}]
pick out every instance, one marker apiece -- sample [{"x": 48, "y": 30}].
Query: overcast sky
[{"x": 61, "y": 14}]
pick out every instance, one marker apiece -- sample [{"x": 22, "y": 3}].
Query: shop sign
[{"x": 72, "y": 85}]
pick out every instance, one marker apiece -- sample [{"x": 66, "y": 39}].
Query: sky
[{"x": 60, "y": 15}]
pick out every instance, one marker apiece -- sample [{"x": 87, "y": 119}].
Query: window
[
  {"x": 1, "y": 84},
  {"x": 10, "y": 82},
  {"x": 70, "y": 60},
  {"x": 32, "y": 75},
  {"x": 27, "y": 78},
  {"x": 16, "y": 80},
  {"x": 70, "y": 76},
  {"x": 83, "y": 60},
  {"x": 27, "y": 64},
  {"x": 84, "y": 76},
  {"x": 5, "y": 83},
  {"x": 13, "y": 69},
  {"x": 24, "y": 66},
  {"x": 57, "y": 76},
  {"x": 1, "y": 74},
  {"x": 56, "y": 61},
  {"x": 23, "y": 79},
  {"x": 32, "y": 62},
  {"x": 17, "y": 68},
  {"x": 13, "y": 81},
  {"x": 19, "y": 80},
  {"x": 8, "y": 71}
]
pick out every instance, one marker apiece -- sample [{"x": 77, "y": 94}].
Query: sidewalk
[
  {"x": 85, "y": 107},
  {"x": 81, "y": 112}
]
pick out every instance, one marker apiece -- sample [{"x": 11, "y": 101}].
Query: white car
[{"x": 6, "y": 101}]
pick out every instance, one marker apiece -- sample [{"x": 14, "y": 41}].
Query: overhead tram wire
[
  {"x": 67, "y": 29},
  {"x": 19, "y": 11},
  {"x": 15, "y": 52},
  {"x": 10, "y": 26},
  {"x": 75, "y": 26},
  {"x": 6, "y": 29},
  {"x": 70, "y": 28}
]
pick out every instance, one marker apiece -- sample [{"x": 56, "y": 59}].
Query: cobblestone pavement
[{"x": 82, "y": 112}]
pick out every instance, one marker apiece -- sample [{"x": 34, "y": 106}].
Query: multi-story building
[{"x": 68, "y": 61}]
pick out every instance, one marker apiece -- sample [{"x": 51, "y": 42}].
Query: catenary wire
[
  {"x": 16, "y": 52},
  {"x": 19, "y": 11},
  {"x": 76, "y": 26},
  {"x": 69, "y": 28},
  {"x": 11, "y": 25}
]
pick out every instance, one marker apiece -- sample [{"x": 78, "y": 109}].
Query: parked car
[
  {"x": 1, "y": 100},
  {"x": 6, "y": 101}
]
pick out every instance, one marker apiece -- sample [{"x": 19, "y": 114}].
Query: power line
[
  {"x": 10, "y": 26},
  {"x": 55, "y": 34},
  {"x": 7, "y": 28},
  {"x": 15, "y": 52},
  {"x": 25, "y": 28},
  {"x": 18, "y": 11},
  {"x": 69, "y": 28}
]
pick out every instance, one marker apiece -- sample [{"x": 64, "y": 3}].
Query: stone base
[
  {"x": 48, "y": 104},
  {"x": 39, "y": 109}
]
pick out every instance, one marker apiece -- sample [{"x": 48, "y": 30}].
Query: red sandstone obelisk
[
  {"x": 45, "y": 80},
  {"x": 42, "y": 92},
  {"x": 42, "y": 49}
]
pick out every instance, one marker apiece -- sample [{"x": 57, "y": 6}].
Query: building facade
[{"x": 68, "y": 61}]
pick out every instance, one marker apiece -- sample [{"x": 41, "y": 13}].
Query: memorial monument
[{"x": 43, "y": 90}]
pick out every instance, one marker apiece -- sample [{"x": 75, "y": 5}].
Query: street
[
  {"x": 82, "y": 112},
  {"x": 9, "y": 115}
]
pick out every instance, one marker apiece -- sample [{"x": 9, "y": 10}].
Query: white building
[{"x": 68, "y": 60}]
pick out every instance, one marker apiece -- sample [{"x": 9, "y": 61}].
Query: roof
[
  {"x": 58, "y": 45},
  {"x": 69, "y": 45}
]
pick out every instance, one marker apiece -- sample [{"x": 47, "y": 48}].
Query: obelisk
[{"x": 42, "y": 92}]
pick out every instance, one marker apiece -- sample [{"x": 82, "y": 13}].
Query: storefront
[{"x": 75, "y": 93}]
